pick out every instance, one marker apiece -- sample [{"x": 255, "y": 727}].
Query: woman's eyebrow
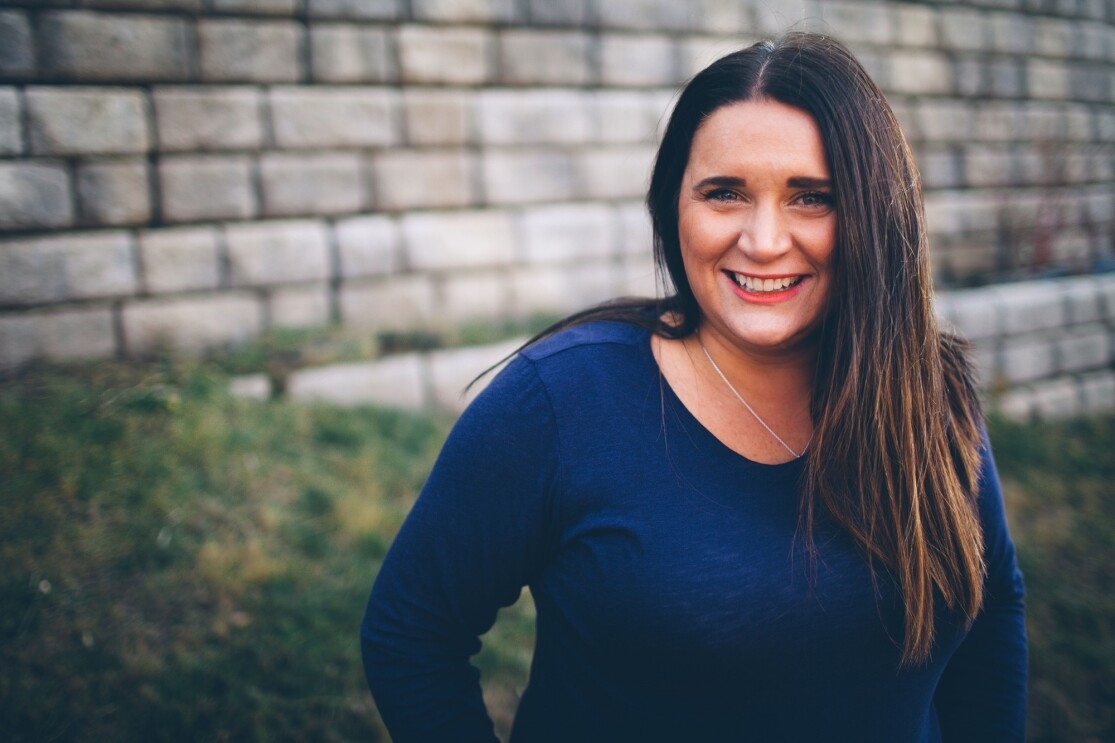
[
  {"x": 720, "y": 181},
  {"x": 807, "y": 182}
]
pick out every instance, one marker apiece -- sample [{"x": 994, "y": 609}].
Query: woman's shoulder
[{"x": 587, "y": 339}]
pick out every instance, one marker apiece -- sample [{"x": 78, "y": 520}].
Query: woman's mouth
[{"x": 757, "y": 285}]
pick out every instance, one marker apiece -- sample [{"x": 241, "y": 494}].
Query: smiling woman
[{"x": 761, "y": 508}]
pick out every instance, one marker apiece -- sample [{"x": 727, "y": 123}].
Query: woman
[{"x": 760, "y": 509}]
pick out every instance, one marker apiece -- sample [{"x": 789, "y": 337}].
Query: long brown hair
[{"x": 894, "y": 457}]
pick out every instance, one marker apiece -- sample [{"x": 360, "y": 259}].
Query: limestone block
[
  {"x": 1044, "y": 120},
  {"x": 334, "y": 117},
  {"x": 448, "y": 55},
  {"x": 1016, "y": 404},
  {"x": 562, "y": 289},
  {"x": 256, "y": 7},
  {"x": 617, "y": 172},
  {"x": 558, "y": 12},
  {"x": 1012, "y": 33},
  {"x": 646, "y": 15},
  {"x": 368, "y": 246},
  {"x": 1106, "y": 286},
  {"x": 1053, "y": 37},
  {"x": 1099, "y": 205},
  {"x": 84, "y": 121},
  {"x": 971, "y": 75},
  {"x": 17, "y": 51},
  {"x": 940, "y": 167},
  {"x": 638, "y": 60},
  {"x": 638, "y": 277},
  {"x": 919, "y": 72},
  {"x": 533, "y": 57},
  {"x": 942, "y": 120},
  {"x": 463, "y": 11},
  {"x": 859, "y": 22},
  {"x": 1094, "y": 41},
  {"x": 1097, "y": 392},
  {"x": 60, "y": 268},
  {"x": 59, "y": 335},
  {"x": 393, "y": 382},
  {"x": 1083, "y": 300},
  {"x": 201, "y": 187},
  {"x": 973, "y": 313},
  {"x": 468, "y": 297},
  {"x": 423, "y": 179},
  {"x": 915, "y": 26},
  {"x": 717, "y": 16},
  {"x": 627, "y": 116},
  {"x": 453, "y": 370},
  {"x": 34, "y": 195},
  {"x": 441, "y": 241},
  {"x": 635, "y": 232},
  {"x": 179, "y": 259},
  {"x": 354, "y": 9},
  {"x": 1078, "y": 123},
  {"x": 114, "y": 192},
  {"x": 438, "y": 117},
  {"x": 1027, "y": 358},
  {"x": 1006, "y": 78},
  {"x": 295, "y": 184},
  {"x": 1059, "y": 398},
  {"x": 963, "y": 29},
  {"x": 567, "y": 232},
  {"x": 289, "y": 251},
  {"x": 192, "y": 323},
  {"x": 1048, "y": 78},
  {"x": 989, "y": 166},
  {"x": 777, "y": 18},
  {"x": 90, "y": 46},
  {"x": 528, "y": 176},
  {"x": 698, "y": 52},
  {"x": 1000, "y": 122},
  {"x": 265, "y": 51},
  {"x": 209, "y": 118},
  {"x": 399, "y": 303},
  {"x": 1030, "y": 306},
  {"x": 1090, "y": 83},
  {"x": 343, "y": 53},
  {"x": 1084, "y": 348},
  {"x": 251, "y": 387},
  {"x": 11, "y": 127},
  {"x": 535, "y": 117},
  {"x": 299, "y": 306}
]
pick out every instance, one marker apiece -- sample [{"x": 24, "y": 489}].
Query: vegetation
[{"x": 179, "y": 564}]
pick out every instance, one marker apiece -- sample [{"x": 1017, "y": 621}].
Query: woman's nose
[{"x": 764, "y": 234}]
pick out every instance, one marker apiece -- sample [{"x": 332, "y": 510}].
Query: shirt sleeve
[
  {"x": 982, "y": 694},
  {"x": 475, "y": 536}
]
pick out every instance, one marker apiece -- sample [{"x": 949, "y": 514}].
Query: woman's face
[{"x": 757, "y": 225}]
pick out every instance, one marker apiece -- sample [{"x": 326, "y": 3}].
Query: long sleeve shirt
[{"x": 676, "y": 600}]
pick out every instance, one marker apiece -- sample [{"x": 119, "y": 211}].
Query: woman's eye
[
  {"x": 816, "y": 198},
  {"x": 721, "y": 194}
]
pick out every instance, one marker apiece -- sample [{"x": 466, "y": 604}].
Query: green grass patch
[{"x": 179, "y": 564}]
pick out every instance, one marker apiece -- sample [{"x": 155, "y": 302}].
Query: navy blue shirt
[{"x": 676, "y": 600}]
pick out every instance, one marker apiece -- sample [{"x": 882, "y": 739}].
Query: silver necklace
[{"x": 750, "y": 409}]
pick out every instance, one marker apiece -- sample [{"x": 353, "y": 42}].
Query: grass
[{"x": 179, "y": 564}]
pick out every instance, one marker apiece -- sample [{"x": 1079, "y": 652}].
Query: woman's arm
[
  {"x": 474, "y": 537},
  {"x": 982, "y": 694}
]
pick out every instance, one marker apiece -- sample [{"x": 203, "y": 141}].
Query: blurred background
[{"x": 252, "y": 250}]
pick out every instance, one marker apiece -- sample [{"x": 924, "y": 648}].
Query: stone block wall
[
  {"x": 1040, "y": 349},
  {"x": 192, "y": 173}
]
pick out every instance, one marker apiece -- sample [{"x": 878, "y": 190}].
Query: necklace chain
[{"x": 750, "y": 409}]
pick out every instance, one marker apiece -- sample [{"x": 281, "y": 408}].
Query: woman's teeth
[{"x": 753, "y": 284}]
